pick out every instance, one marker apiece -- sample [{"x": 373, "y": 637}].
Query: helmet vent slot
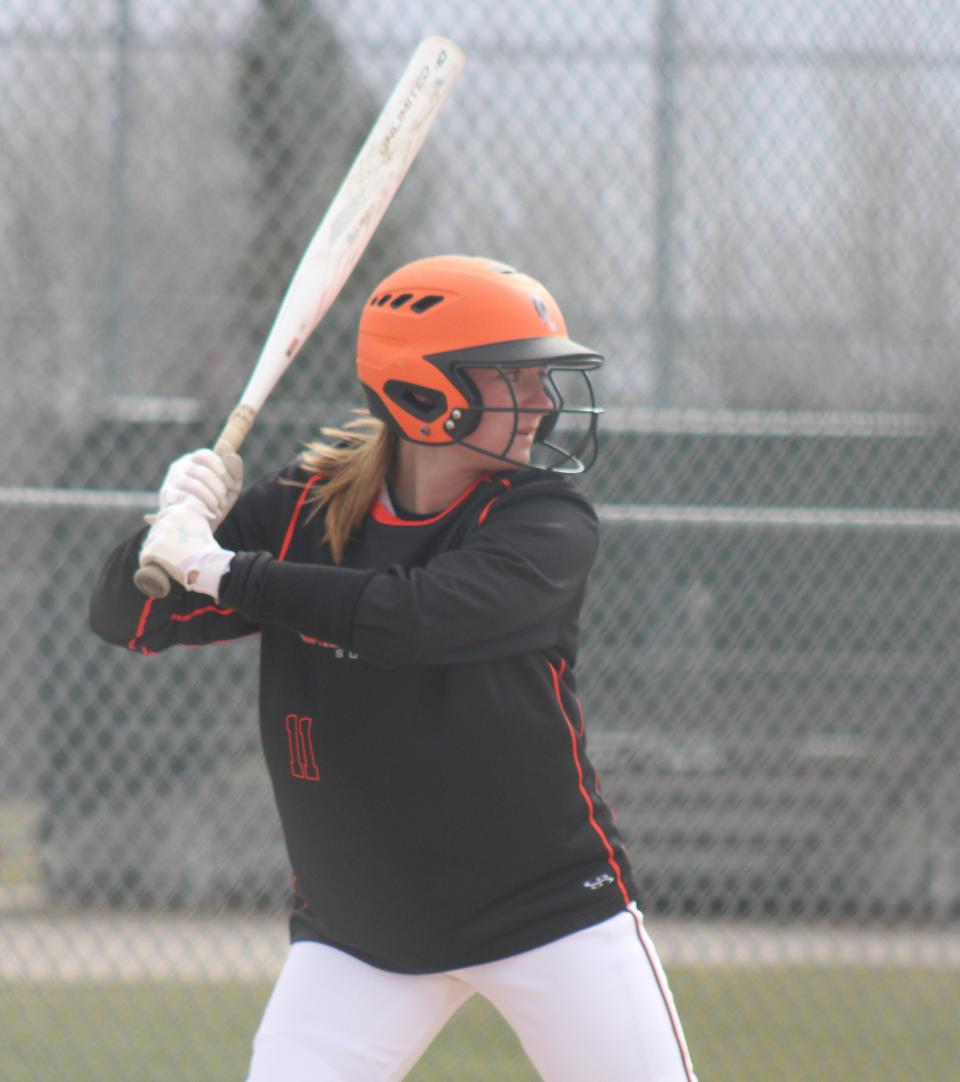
[
  {"x": 424, "y": 304},
  {"x": 381, "y": 301},
  {"x": 424, "y": 403},
  {"x": 400, "y": 300}
]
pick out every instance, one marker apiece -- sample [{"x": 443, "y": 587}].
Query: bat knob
[{"x": 152, "y": 581}]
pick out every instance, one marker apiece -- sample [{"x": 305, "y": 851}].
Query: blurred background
[{"x": 749, "y": 206}]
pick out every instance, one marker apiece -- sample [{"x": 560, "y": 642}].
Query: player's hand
[
  {"x": 204, "y": 480},
  {"x": 180, "y": 540}
]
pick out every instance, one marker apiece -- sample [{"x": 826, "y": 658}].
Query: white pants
[{"x": 593, "y": 1005}]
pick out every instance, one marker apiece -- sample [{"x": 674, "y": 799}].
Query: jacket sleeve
[
  {"x": 507, "y": 590},
  {"x": 121, "y": 615}
]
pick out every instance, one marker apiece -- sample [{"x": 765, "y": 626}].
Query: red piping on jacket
[
  {"x": 611, "y": 857},
  {"x": 292, "y": 524},
  {"x": 186, "y": 617},
  {"x": 141, "y": 627},
  {"x": 486, "y": 507}
]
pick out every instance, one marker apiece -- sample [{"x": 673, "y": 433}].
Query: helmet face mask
[
  {"x": 565, "y": 439},
  {"x": 431, "y": 323}
]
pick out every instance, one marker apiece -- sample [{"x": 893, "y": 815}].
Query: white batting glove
[
  {"x": 204, "y": 480},
  {"x": 180, "y": 540}
]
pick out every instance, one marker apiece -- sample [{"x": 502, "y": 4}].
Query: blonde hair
[{"x": 353, "y": 463}]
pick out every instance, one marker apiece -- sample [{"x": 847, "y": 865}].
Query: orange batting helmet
[{"x": 433, "y": 318}]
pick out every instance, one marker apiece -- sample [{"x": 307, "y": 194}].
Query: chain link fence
[{"x": 748, "y": 207}]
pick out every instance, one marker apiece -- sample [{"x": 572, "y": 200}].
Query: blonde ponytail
[{"x": 354, "y": 462}]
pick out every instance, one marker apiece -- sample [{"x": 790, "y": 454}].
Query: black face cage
[{"x": 566, "y": 439}]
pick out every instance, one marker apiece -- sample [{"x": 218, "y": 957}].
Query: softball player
[{"x": 416, "y": 581}]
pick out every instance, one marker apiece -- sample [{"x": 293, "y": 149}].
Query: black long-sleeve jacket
[{"x": 418, "y": 714}]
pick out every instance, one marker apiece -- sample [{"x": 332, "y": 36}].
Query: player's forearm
[{"x": 318, "y": 601}]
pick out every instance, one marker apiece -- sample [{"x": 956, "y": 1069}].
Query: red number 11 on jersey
[{"x": 303, "y": 761}]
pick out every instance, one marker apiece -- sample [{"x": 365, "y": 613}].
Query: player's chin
[
  {"x": 516, "y": 453},
  {"x": 521, "y": 449}
]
